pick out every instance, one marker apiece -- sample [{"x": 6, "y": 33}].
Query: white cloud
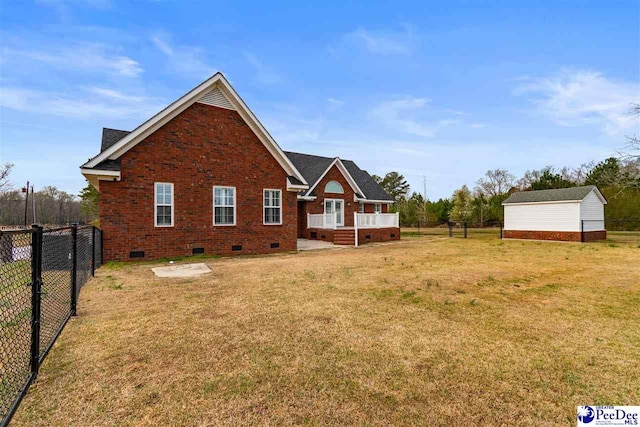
[
  {"x": 64, "y": 8},
  {"x": 189, "y": 61},
  {"x": 403, "y": 115},
  {"x": 264, "y": 73},
  {"x": 80, "y": 103},
  {"x": 581, "y": 97},
  {"x": 335, "y": 102},
  {"x": 80, "y": 56},
  {"x": 385, "y": 42},
  {"x": 162, "y": 45},
  {"x": 477, "y": 125},
  {"x": 94, "y": 4}
]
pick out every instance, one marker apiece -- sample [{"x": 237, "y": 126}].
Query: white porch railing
[
  {"x": 377, "y": 220},
  {"x": 322, "y": 220}
]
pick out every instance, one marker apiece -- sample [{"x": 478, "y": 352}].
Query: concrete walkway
[{"x": 312, "y": 245}]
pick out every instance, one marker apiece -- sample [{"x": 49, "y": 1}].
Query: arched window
[{"x": 333, "y": 187}]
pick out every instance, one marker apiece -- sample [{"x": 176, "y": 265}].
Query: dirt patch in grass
[{"x": 427, "y": 331}]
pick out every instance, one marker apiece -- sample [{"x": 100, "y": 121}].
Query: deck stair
[{"x": 344, "y": 237}]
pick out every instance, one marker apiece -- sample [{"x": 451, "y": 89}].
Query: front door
[{"x": 336, "y": 206}]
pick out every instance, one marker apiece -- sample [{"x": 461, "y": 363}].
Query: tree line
[
  {"x": 617, "y": 178},
  {"x": 49, "y": 205}
]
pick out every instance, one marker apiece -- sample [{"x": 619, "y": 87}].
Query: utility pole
[
  {"x": 424, "y": 187},
  {"x": 26, "y": 202},
  {"x": 425, "y": 210},
  {"x": 33, "y": 204}
]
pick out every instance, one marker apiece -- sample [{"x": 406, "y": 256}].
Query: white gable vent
[{"x": 216, "y": 98}]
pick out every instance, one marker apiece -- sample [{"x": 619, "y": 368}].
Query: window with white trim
[
  {"x": 333, "y": 187},
  {"x": 273, "y": 207},
  {"x": 377, "y": 208},
  {"x": 360, "y": 207},
  {"x": 163, "y": 204},
  {"x": 224, "y": 206}
]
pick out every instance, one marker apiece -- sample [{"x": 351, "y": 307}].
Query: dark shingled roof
[
  {"x": 312, "y": 167},
  {"x": 367, "y": 184},
  {"x": 108, "y": 165},
  {"x": 294, "y": 180},
  {"x": 557, "y": 195},
  {"x": 110, "y": 137}
]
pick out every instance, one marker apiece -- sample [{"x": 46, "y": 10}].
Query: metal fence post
[
  {"x": 36, "y": 294},
  {"x": 465, "y": 229},
  {"x": 500, "y": 222},
  {"x": 582, "y": 230},
  {"x": 93, "y": 251},
  {"x": 450, "y": 224},
  {"x": 74, "y": 268}
]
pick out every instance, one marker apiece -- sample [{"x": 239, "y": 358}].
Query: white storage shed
[{"x": 572, "y": 214}]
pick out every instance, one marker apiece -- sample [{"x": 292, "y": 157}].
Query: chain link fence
[{"x": 41, "y": 274}]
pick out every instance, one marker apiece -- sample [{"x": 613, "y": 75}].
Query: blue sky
[{"x": 441, "y": 90}]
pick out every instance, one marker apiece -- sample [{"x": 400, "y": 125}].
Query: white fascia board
[
  {"x": 541, "y": 203},
  {"x": 184, "y": 102},
  {"x": 296, "y": 187},
  {"x": 156, "y": 121},
  {"x": 94, "y": 176},
  {"x": 388, "y": 202},
  {"x": 345, "y": 173},
  {"x": 253, "y": 122},
  {"x": 98, "y": 172},
  {"x": 307, "y": 198},
  {"x": 600, "y": 195}
]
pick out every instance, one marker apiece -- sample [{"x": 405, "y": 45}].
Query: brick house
[{"x": 204, "y": 176}]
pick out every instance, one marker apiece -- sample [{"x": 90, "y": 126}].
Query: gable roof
[
  {"x": 111, "y": 136},
  {"x": 372, "y": 190},
  {"x": 315, "y": 167},
  {"x": 311, "y": 167},
  {"x": 114, "y": 149},
  {"x": 572, "y": 194}
]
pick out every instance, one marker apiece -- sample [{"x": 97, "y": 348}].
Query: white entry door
[{"x": 332, "y": 206}]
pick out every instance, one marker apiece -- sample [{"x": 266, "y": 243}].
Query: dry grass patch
[{"x": 438, "y": 332}]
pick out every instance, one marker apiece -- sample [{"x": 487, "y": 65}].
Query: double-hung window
[
  {"x": 163, "y": 204},
  {"x": 377, "y": 208},
  {"x": 273, "y": 207},
  {"x": 360, "y": 207},
  {"x": 224, "y": 206}
]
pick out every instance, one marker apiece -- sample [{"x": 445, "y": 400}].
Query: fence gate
[{"x": 41, "y": 273}]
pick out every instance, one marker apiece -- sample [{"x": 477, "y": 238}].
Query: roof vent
[{"x": 216, "y": 98}]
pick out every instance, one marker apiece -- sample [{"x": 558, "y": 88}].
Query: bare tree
[
  {"x": 633, "y": 144},
  {"x": 5, "y": 171},
  {"x": 496, "y": 182},
  {"x": 630, "y": 158}
]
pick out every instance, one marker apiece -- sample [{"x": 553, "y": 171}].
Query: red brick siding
[
  {"x": 327, "y": 233},
  {"x": 202, "y": 147},
  {"x": 317, "y": 206},
  {"x": 377, "y": 235},
  {"x": 567, "y": 236}
]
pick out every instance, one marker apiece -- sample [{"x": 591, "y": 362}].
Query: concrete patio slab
[
  {"x": 182, "y": 270},
  {"x": 312, "y": 245}
]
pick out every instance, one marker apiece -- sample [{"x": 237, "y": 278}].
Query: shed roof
[{"x": 555, "y": 195}]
